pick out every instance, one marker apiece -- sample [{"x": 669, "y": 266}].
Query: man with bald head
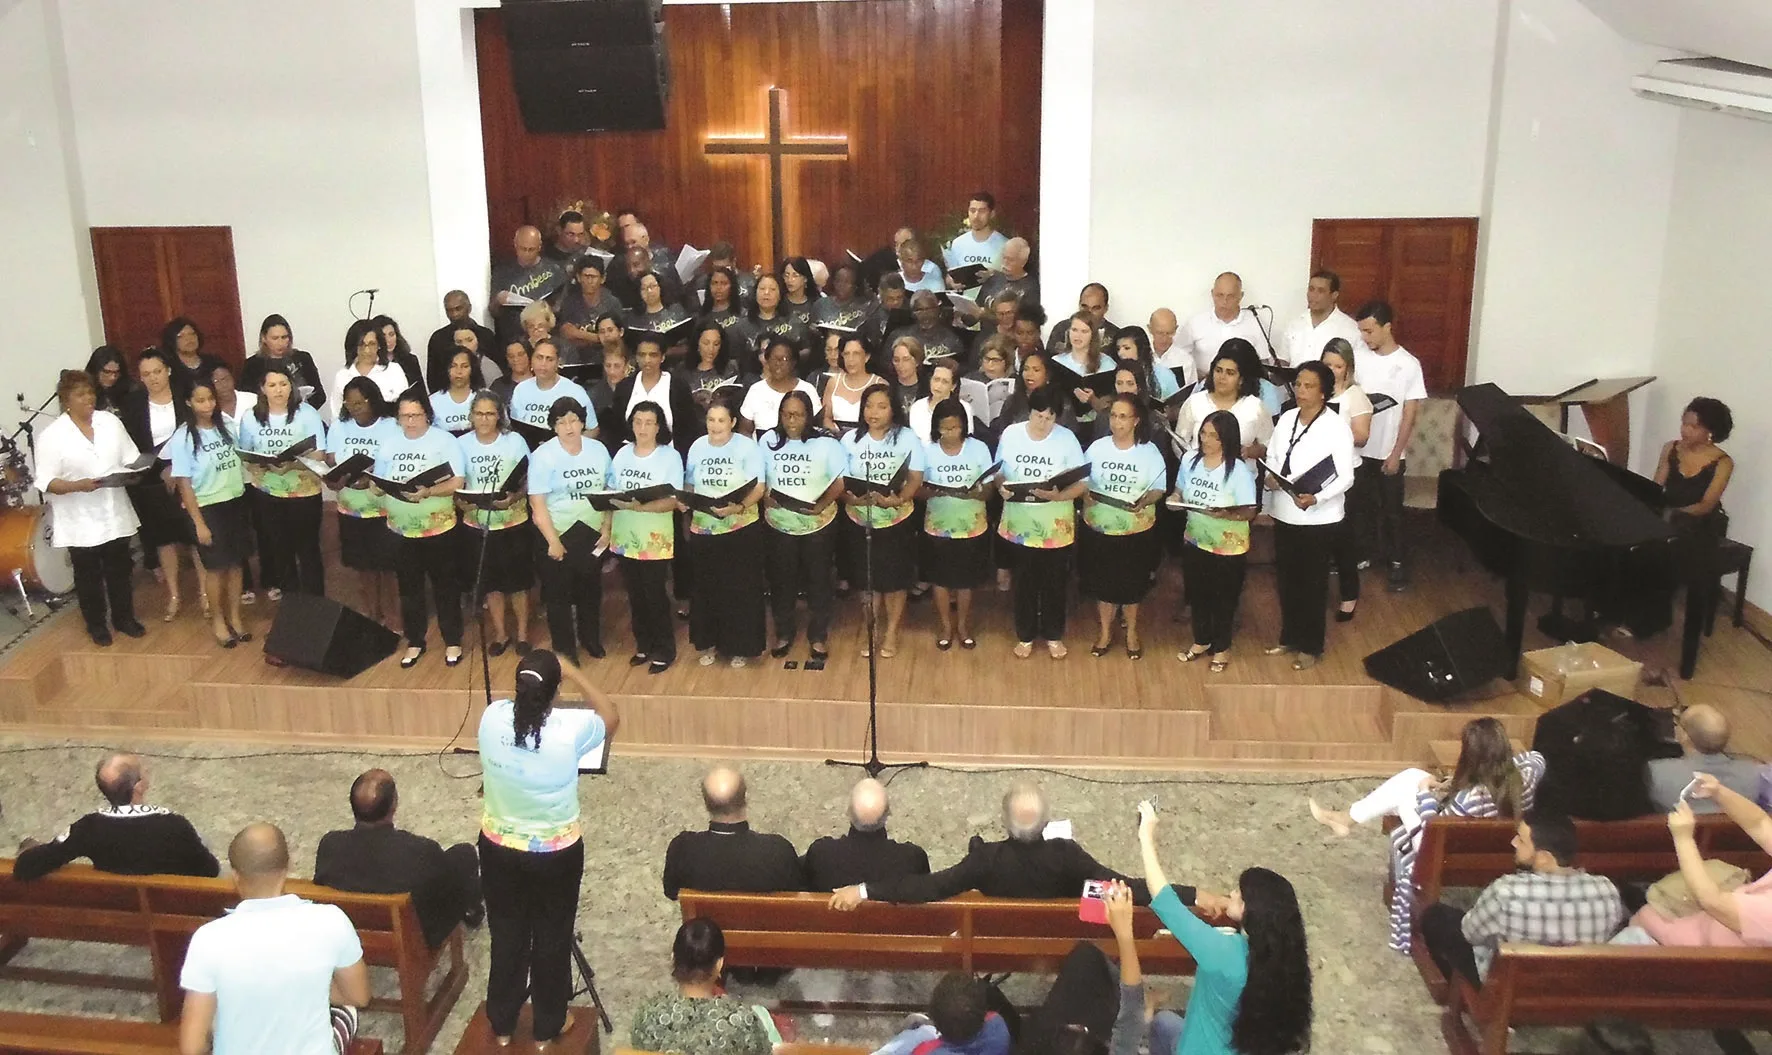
[
  {"x": 1206, "y": 332},
  {"x": 939, "y": 341},
  {"x": 374, "y": 857},
  {"x": 458, "y": 309},
  {"x": 128, "y": 836},
  {"x": 1704, "y": 733},
  {"x": 531, "y": 276},
  {"x": 728, "y": 855},
  {"x": 277, "y": 974},
  {"x": 1166, "y": 351},
  {"x": 1093, "y": 299},
  {"x": 864, "y": 854},
  {"x": 1024, "y": 864}
]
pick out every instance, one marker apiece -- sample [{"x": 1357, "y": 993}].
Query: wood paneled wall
[{"x": 938, "y": 98}]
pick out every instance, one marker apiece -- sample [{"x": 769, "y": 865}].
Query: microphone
[{"x": 369, "y": 291}]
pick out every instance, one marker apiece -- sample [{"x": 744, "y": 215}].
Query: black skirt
[
  {"x": 957, "y": 563},
  {"x": 163, "y": 517},
  {"x": 510, "y": 558},
  {"x": 894, "y": 557},
  {"x": 365, "y": 543},
  {"x": 230, "y": 535},
  {"x": 1118, "y": 569}
]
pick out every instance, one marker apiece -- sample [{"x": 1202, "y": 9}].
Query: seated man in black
[
  {"x": 377, "y": 858},
  {"x": 128, "y": 837},
  {"x": 729, "y": 855},
  {"x": 1026, "y": 864},
  {"x": 865, "y": 854}
]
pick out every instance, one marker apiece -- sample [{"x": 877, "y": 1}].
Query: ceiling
[{"x": 1731, "y": 29}]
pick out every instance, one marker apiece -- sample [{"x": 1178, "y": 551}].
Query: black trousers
[
  {"x": 726, "y": 603},
  {"x": 801, "y": 563},
  {"x": 102, "y": 573},
  {"x": 464, "y": 868},
  {"x": 573, "y": 598},
  {"x": 1301, "y": 571},
  {"x": 649, "y": 607},
  {"x": 531, "y": 905},
  {"x": 292, "y": 530},
  {"x": 1041, "y": 583},
  {"x": 261, "y": 538},
  {"x": 1347, "y": 557},
  {"x": 1214, "y": 587},
  {"x": 1381, "y": 513},
  {"x": 433, "y": 558},
  {"x": 1443, "y": 933}
]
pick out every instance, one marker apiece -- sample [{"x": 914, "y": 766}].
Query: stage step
[
  {"x": 1327, "y": 714},
  {"x": 1446, "y": 752},
  {"x": 582, "y": 1039}
]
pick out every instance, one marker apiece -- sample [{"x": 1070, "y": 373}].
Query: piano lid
[{"x": 1540, "y": 487}]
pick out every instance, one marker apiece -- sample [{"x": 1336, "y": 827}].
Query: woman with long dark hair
[
  {"x": 770, "y": 320},
  {"x": 642, "y": 534},
  {"x": 843, "y": 390},
  {"x": 661, "y": 317},
  {"x": 727, "y": 543},
  {"x": 711, "y": 369},
  {"x": 276, "y": 344},
  {"x": 1133, "y": 345},
  {"x": 1233, "y": 384},
  {"x": 563, "y": 475},
  {"x": 1217, "y": 490},
  {"x": 698, "y": 1017},
  {"x": 421, "y": 520},
  {"x": 399, "y": 352},
  {"x": 150, "y": 413},
  {"x": 287, "y": 493},
  {"x": 878, "y": 452},
  {"x": 1119, "y": 549},
  {"x": 956, "y": 529},
  {"x": 1042, "y": 526},
  {"x": 452, "y": 403},
  {"x": 364, "y": 544},
  {"x": 206, "y": 468},
  {"x": 1306, "y": 523},
  {"x": 181, "y": 346},
  {"x": 366, "y": 355},
  {"x": 532, "y": 842},
  {"x": 1252, "y": 987},
  {"x": 1035, "y": 376},
  {"x": 724, "y": 306},
  {"x": 1490, "y": 780},
  {"x": 497, "y": 540},
  {"x": 109, "y": 371},
  {"x": 803, "y": 467},
  {"x": 801, "y": 296}
]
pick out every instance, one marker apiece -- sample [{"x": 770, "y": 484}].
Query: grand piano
[{"x": 1550, "y": 519}]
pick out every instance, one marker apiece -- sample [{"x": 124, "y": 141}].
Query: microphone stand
[
  {"x": 872, "y": 766},
  {"x": 26, "y": 429}
]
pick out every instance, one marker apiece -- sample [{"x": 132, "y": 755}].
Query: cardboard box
[{"x": 1594, "y": 666}]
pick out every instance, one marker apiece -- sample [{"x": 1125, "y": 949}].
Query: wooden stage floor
[{"x": 958, "y": 706}]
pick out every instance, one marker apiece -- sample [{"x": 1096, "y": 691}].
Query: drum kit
[{"x": 26, "y": 556}]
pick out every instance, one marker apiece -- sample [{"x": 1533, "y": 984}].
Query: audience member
[
  {"x": 959, "y": 1009},
  {"x": 1252, "y": 986},
  {"x": 1724, "y": 918},
  {"x": 864, "y": 854},
  {"x": 1025, "y": 864},
  {"x": 1704, "y": 732},
  {"x": 374, "y": 857},
  {"x": 1091, "y": 1009},
  {"x": 1548, "y": 902},
  {"x": 698, "y": 1019},
  {"x": 261, "y": 978},
  {"x": 729, "y": 855},
  {"x": 128, "y": 836}
]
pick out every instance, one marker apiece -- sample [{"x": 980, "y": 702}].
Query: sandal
[
  {"x": 1056, "y": 649},
  {"x": 1099, "y": 651},
  {"x": 1191, "y": 654},
  {"x": 1134, "y": 653},
  {"x": 1218, "y": 664},
  {"x": 968, "y": 642},
  {"x": 1024, "y": 649},
  {"x": 944, "y": 643},
  {"x": 172, "y": 603},
  {"x": 1275, "y": 650}
]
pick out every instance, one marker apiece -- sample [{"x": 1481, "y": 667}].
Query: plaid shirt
[{"x": 1568, "y": 908}]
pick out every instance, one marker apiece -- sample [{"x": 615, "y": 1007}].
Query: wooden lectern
[{"x": 1605, "y": 405}]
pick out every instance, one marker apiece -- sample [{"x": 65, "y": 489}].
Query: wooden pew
[
  {"x": 160, "y": 913},
  {"x": 1531, "y": 985},
  {"x": 967, "y": 933},
  {"x": 33, "y": 1034},
  {"x": 1473, "y": 852}
]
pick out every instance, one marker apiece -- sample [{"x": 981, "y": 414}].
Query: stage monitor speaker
[
  {"x": 1455, "y": 655},
  {"x": 1595, "y": 747},
  {"x": 588, "y": 65},
  {"x": 321, "y": 634}
]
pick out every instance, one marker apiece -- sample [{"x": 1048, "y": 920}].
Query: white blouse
[
  {"x": 1254, "y": 423},
  {"x": 1298, "y": 449},
  {"x": 162, "y": 419},
  {"x": 86, "y": 518},
  {"x": 922, "y": 418},
  {"x": 388, "y": 377},
  {"x": 762, "y": 404}
]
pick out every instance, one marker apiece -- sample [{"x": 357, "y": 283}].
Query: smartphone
[
  {"x": 1686, "y": 792},
  {"x": 1092, "y": 906}
]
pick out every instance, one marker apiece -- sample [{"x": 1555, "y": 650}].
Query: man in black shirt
[
  {"x": 729, "y": 855},
  {"x": 865, "y": 854},
  {"x": 128, "y": 837},
  {"x": 377, "y": 858},
  {"x": 1026, "y": 864},
  {"x": 458, "y": 309}
]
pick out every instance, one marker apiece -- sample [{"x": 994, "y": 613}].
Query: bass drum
[{"x": 25, "y": 548}]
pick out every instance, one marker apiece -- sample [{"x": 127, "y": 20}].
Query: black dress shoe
[
  {"x": 638, "y": 659},
  {"x": 496, "y": 649},
  {"x": 101, "y": 638},
  {"x": 594, "y": 649},
  {"x": 659, "y": 666},
  {"x": 132, "y": 629}
]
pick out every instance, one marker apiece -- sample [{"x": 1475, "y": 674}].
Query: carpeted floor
[{"x": 1367, "y": 999}]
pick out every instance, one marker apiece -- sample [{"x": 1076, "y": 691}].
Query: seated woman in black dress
[{"x": 1693, "y": 471}]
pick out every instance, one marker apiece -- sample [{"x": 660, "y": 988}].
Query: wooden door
[
  {"x": 1425, "y": 268},
  {"x": 149, "y": 275}
]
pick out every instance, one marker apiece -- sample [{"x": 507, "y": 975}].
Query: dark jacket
[
  {"x": 861, "y": 857},
  {"x": 441, "y": 348},
  {"x": 382, "y": 859},
  {"x": 686, "y": 418},
  {"x": 1047, "y": 868},
  {"x": 254, "y": 372},
  {"x": 128, "y": 840},
  {"x": 730, "y": 857}
]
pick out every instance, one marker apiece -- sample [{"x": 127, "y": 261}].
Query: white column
[
  {"x": 1067, "y": 120},
  {"x": 455, "y": 157}
]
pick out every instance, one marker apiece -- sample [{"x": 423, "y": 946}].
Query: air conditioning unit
[{"x": 1719, "y": 85}]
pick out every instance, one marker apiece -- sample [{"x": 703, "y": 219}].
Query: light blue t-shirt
[
  {"x": 531, "y": 793},
  {"x": 1273, "y": 397},
  {"x": 530, "y": 403},
  {"x": 402, "y": 458},
  {"x": 1125, "y": 475},
  {"x": 966, "y": 250},
  {"x": 568, "y": 481},
  {"x": 878, "y": 461},
  {"x": 453, "y": 417},
  {"x": 637, "y": 535},
  {"x": 345, "y": 439},
  {"x": 488, "y": 465},
  {"x": 711, "y": 470},
  {"x": 1106, "y": 364},
  {"x": 932, "y": 279},
  {"x": 1039, "y": 525},
  {"x": 943, "y": 515},
  {"x": 278, "y": 432},
  {"x": 1201, "y": 485},
  {"x": 801, "y": 469},
  {"x": 213, "y": 469}
]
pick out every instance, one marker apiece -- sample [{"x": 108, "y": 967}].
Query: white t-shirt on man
[
  {"x": 1396, "y": 374},
  {"x": 269, "y": 962},
  {"x": 1303, "y": 340},
  {"x": 1205, "y": 333}
]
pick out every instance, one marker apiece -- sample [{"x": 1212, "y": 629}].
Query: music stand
[{"x": 872, "y": 764}]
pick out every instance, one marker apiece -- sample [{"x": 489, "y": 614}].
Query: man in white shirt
[
  {"x": 981, "y": 243},
  {"x": 1166, "y": 350},
  {"x": 1322, "y": 320},
  {"x": 262, "y": 978},
  {"x": 1206, "y": 332},
  {"x": 1383, "y": 367},
  {"x": 918, "y": 272}
]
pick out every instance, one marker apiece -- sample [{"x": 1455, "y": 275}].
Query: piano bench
[{"x": 1736, "y": 557}]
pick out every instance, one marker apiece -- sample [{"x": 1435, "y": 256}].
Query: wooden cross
[{"x": 776, "y": 146}]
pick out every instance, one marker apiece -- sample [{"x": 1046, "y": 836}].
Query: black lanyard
[{"x": 1292, "y": 441}]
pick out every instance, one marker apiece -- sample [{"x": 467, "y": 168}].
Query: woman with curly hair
[{"x": 1252, "y": 987}]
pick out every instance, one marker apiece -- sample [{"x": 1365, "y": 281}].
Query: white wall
[
  {"x": 1221, "y": 130},
  {"x": 300, "y": 126},
  {"x": 1569, "y": 267},
  {"x": 1711, "y": 337},
  {"x": 44, "y": 252}
]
